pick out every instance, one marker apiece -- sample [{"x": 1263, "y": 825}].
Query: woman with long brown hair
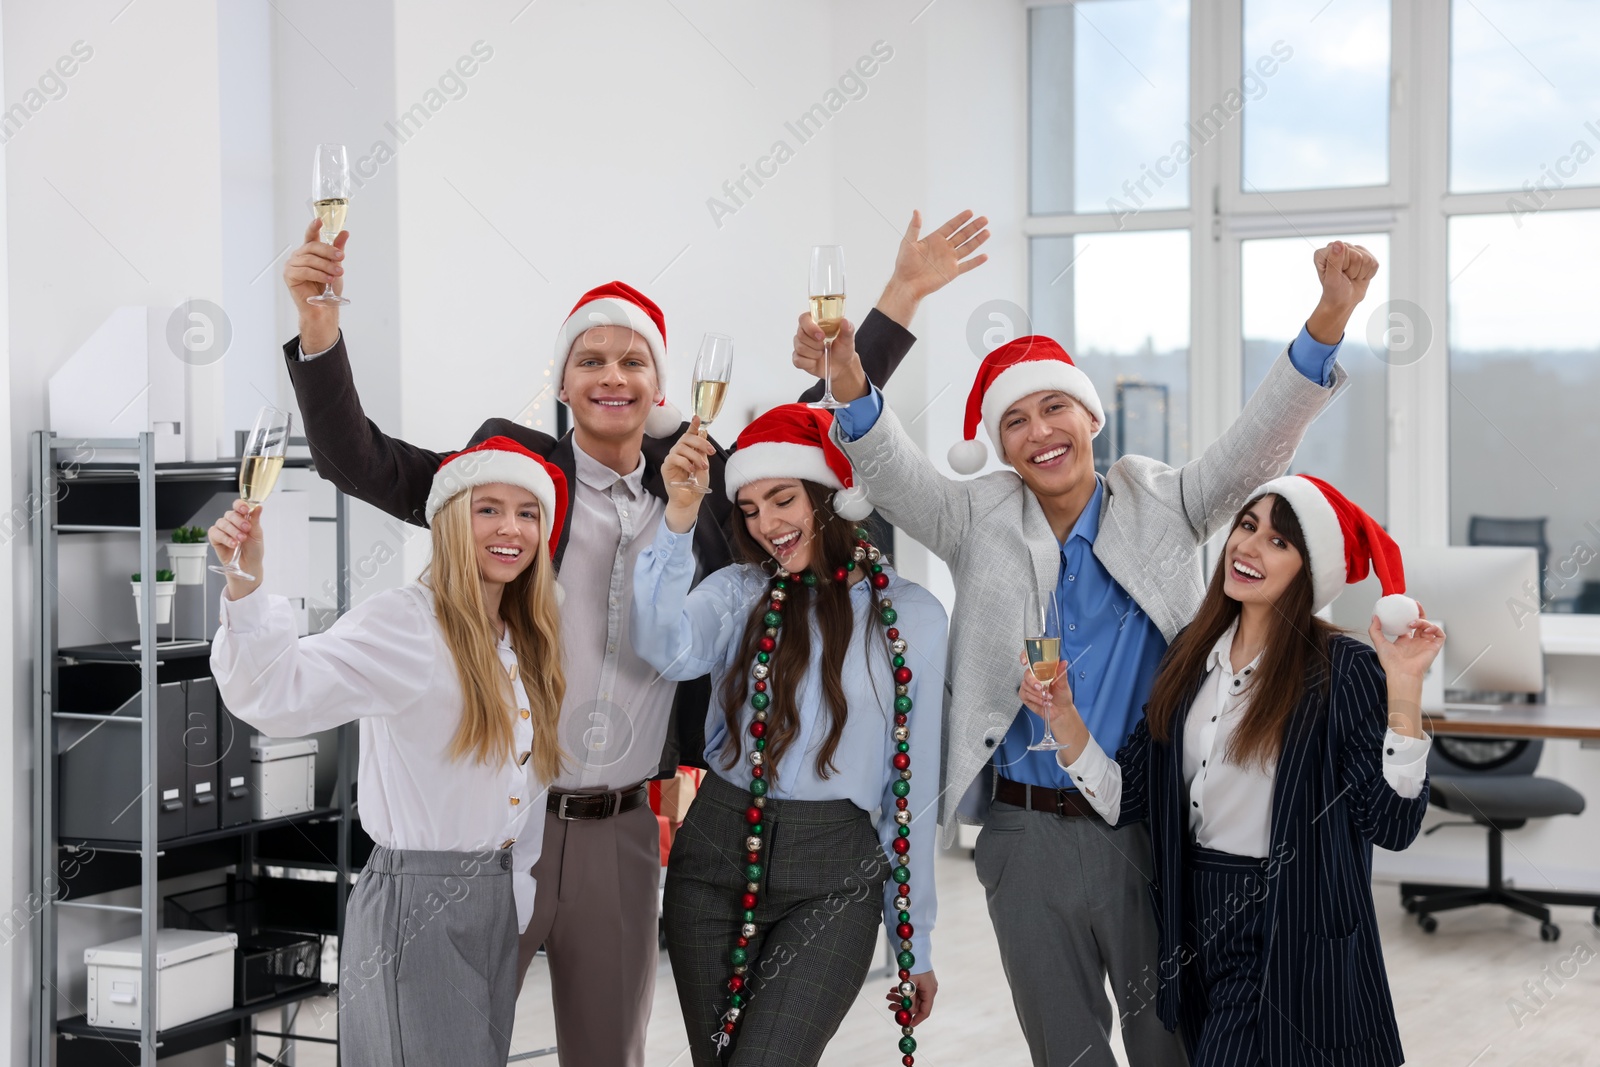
[
  {"x": 817, "y": 818},
  {"x": 456, "y": 680},
  {"x": 1274, "y": 753}
]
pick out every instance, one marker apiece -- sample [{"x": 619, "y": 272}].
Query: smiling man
[
  {"x": 1068, "y": 897},
  {"x": 595, "y": 909}
]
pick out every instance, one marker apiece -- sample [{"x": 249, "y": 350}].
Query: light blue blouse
[{"x": 685, "y": 634}]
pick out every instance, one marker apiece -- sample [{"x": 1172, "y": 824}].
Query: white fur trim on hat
[
  {"x": 1037, "y": 376},
  {"x": 777, "y": 459},
  {"x": 472, "y": 469},
  {"x": 1324, "y": 539}
]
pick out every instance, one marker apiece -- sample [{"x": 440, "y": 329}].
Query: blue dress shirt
[{"x": 1110, "y": 646}]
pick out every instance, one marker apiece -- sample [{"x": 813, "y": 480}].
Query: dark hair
[
  {"x": 833, "y": 542},
  {"x": 1297, "y": 641}
]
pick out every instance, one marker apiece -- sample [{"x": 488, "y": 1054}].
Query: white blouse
[
  {"x": 1230, "y": 806},
  {"x": 385, "y": 663}
]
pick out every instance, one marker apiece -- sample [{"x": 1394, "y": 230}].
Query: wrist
[
  {"x": 238, "y": 588},
  {"x": 850, "y": 382},
  {"x": 1326, "y": 324},
  {"x": 899, "y": 302},
  {"x": 318, "y": 331},
  {"x": 680, "y": 519}
]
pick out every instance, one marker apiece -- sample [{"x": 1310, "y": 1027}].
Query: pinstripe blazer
[
  {"x": 993, "y": 534},
  {"x": 1324, "y": 993}
]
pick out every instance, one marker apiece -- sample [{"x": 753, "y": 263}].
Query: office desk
[{"x": 1517, "y": 720}]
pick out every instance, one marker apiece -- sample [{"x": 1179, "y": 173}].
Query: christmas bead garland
[{"x": 865, "y": 553}]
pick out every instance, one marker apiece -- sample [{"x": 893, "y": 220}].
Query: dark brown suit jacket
[{"x": 394, "y": 476}]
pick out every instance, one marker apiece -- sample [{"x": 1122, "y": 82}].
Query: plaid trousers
[{"x": 817, "y": 920}]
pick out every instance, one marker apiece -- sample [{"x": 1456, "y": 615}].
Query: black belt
[
  {"x": 596, "y": 805},
  {"x": 1041, "y": 798}
]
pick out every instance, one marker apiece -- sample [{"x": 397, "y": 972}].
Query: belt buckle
[{"x": 561, "y": 808}]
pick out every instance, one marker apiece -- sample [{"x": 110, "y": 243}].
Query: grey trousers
[
  {"x": 595, "y": 913},
  {"x": 427, "y": 969},
  {"x": 1068, "y": 900},
  {"x": 817, "y": 921}
]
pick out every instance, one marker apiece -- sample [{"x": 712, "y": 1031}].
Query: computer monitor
[{"x": 1486, "y": 600}]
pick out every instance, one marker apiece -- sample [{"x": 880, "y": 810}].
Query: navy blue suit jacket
[{"x": 1325, "y": 997}]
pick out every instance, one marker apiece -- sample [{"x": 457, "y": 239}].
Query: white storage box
[
  {"x": 194, "y": 978},
  {"x": 286, "y": 775}
]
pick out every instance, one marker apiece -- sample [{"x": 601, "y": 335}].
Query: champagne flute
[
  {"x": 713, "y": 367},
  {"x": 330, "y": 196},
  {"x": 1041, "y": 639},
  {"x": 827, "y": 309},
  {"x": 264, "y": 452}
]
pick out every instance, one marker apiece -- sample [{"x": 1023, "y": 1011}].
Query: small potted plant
[
  {"x": 166, "y": 588},
  {"x": 188, "y": 554}
]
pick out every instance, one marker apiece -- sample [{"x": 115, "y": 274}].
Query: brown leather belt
[
  {"x": 596, "y": 805},
  {"x": 1039, "y": 798}
]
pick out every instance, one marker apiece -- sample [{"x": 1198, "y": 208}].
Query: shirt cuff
[
  {"x": 860, "y": 415},
  {"x": 306, "y": 357},
  {"x": 247, "y": 614},
  {"x": 1090, "y": 773},
  {"x": 669, "y": 544},
  {"x": 1312, "y": 358},
  {"x": 1405, "y": 763}
]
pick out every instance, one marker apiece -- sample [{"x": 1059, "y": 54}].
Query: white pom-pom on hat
[
  {"x": 968, "y": 457},
  {"x": 852, "y": 503},
  {"x": 664, "y": 420},
  {"x": 1396, "y": 612}
]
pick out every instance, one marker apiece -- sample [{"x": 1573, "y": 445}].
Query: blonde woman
[{"x": 456, "y": 680}]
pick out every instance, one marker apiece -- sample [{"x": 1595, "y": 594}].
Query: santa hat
[
  {"x": 502, "y": 460},
  {"x": 1343, "y": 541},
  {"x": 1016, "y": 369},
  {"x": 620, "y": 304},
  {"x": 791, "y": 441}
]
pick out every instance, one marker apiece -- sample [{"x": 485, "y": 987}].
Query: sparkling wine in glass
[
  {"x": 827, "y": 309},
  {"x": 330, "y": 197},
  {"x": 264, "y": 451},
  {"x": 1041, "y": 640},
  {"x": 713, "y": 368}
]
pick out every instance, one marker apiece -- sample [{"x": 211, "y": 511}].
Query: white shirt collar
[
  {"x": 597, "y": 475},
  {"x": 1222, "y": 654}
]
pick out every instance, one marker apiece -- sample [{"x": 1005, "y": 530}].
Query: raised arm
[
  {"x": 376, "y": 660},
  {"x": 349, "y": 449},
  {"x": 922, "y": 267},
  {"x": 1262, "y": 441}
]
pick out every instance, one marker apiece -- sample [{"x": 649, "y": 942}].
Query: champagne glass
[
  {"x": 1041, "y": 639},
  {"x": 330, "y": 196},
  {"x": 827, "y": 308},
  {"x": 264, "y": 451},
  {"x": 713, "y": 367}
]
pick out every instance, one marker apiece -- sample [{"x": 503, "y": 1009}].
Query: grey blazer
[{"x": 995, "y": 538}]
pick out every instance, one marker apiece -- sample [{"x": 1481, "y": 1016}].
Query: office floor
[{"x": 1483, "y": 991}]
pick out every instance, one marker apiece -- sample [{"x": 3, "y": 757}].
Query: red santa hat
[
  {"x": 1017, "y": 369},
  {"x": 1343, "y": 542},
  {"x": 791, "y": 441},
  {"x": 502, "y": 460},
  {"x": 620, "y": 304}
]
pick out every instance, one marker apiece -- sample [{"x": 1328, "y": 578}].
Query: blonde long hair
[{"x": 528, "y": 607}]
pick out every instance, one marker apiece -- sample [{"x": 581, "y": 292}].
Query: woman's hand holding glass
[
  {"x": 1054, "y": 704},
  {"x": 240, "y": 529},
  {"x": 689, "y": 462}
]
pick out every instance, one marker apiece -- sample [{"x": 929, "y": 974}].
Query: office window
[
  {"x": 1524, "y": 96},
  {"x": 1347, "y": 445},
  {"x": 1119, "y": 304},
  {"x": 1524, "y": 351},
  {"x": 1108, "y": 100},
  {"x": 1315, "y": 80}
]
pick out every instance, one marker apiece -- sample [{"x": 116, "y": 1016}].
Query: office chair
[
  {"x": 1515, "y": 533},
  {"x": 1491, "y": 781}
]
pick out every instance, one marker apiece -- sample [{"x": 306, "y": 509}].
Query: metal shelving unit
[{"x": 144, "y": 497}]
